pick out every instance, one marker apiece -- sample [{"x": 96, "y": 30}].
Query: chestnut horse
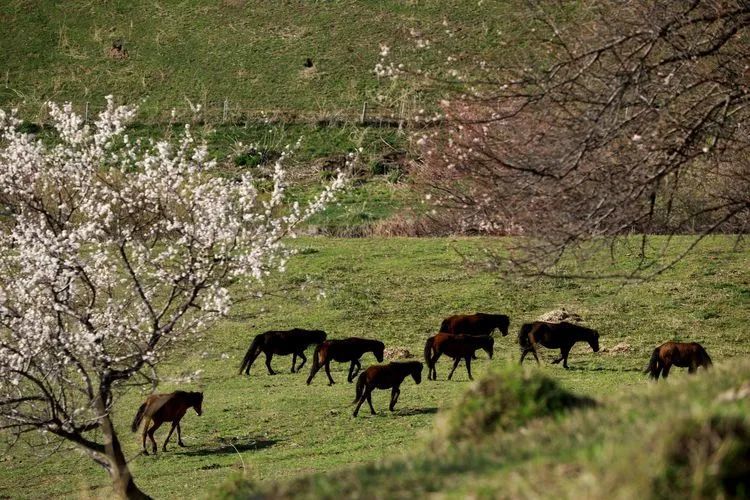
[
  {"x": 283, "y": 343},
  {"x": 475, "y": 324},
  {"x": 555, "y": 336},
  {"x": 457, "y": 347},
  {"x": 389, "y": 376},
  {"x": 343, "y": 351},
  {"x": 160, "y": 408},
  {"x": 690, "y": 355}
]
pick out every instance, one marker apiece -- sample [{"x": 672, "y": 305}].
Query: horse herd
[{"x": 460, "y": 337}]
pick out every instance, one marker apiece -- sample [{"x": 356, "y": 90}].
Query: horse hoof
[
  {"x": 181, "y": 445},
  {"x": 145, "y": 452}
]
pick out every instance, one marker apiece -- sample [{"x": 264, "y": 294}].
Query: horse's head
[
  {"x": 319, "y": 336},
  {"x": 379, "y": 351},
  {"x": 503, "y": 323},
  {"x": 488, "y": 345},
  {"x": 416, "y": 372},
  {"x": 198, "y": 402},
  {"x": 594, "y": 341}
]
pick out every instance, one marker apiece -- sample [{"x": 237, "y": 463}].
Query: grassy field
[
  {"x": 272, "y": 430},
  {"x": 243, "y": 51}
]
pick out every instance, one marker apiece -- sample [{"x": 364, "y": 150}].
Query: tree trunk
[{"x": 122, "y": 480}]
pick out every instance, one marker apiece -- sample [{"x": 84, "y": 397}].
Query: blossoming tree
[{"x": 111, "y": 250}]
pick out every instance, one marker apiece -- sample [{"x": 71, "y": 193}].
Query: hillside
[
  {"x": 277, "y": 429},
  {"x": 249, "y": 53}
]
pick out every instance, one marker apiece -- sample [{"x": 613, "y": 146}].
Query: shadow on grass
[
  {"x": 406, "y": 412},
  {"x": 604, "y": 369},
  {"x": 230, "y": 447}
]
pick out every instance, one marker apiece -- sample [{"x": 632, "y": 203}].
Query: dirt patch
[{"x": 621, "y": 348}]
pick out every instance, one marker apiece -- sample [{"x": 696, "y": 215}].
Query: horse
[
  {"x": 555, "y": 336},
  {"x": 283, "y": 343},
  {"x": 457, "y": 347},
  {"x": 160, "y": 408},
  {"x": 475, "y": 324},
  {"x": 389, "y": 376},
  {"x": 346, "y": 350},
  {"x": 690, "y": 355}
]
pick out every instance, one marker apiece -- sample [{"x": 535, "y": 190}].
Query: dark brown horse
[
  {"x": 346, "y": 350},
  {"x": 457, "y": 347},
  {"x": 475, "y": 324},
  {"x": 160, "y": 408},
  {"x": 283, "y": 343},
  {"x": 555, "y": 336},
  {"x": 690, "y": 355},
  {"x": 389, "y": 376}
]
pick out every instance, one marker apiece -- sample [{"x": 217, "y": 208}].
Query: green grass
[
  {"x": 278, "y": 429},
  {"x": 250, "y": 52}
]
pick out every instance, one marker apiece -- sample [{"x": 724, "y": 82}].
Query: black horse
[
  {"x": 283, "y": 343},
  {"x": 389, "y": 376},
  {"x": 344, "y": 351},
  {"x": 555, "y": 336}
]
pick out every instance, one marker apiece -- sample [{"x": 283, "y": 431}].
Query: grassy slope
[
  {"x": 396, "y": 290},
  {"x": 243, "y": 50}
]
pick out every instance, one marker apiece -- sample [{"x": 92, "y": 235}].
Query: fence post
[
  {"x": 7, "y": 78},
  {"x": 224, "y": 114},
  {"x": 86, "y": 113},
  {"x": 364, "y": 113},
  {"x": 401, "y": 115}
]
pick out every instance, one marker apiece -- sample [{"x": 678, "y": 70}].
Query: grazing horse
[
  {"x": 343, "y": 351},
  {"x": 389, "y": 376},
  {"x": 457, "y": 347},
  {"x": 287, "y": 342},
  {"x": 475, "y": 324},
  {"x": 555, "y": 336},
  {"x": 690, "y": 355},
  {"x": 160, "y": 408}
]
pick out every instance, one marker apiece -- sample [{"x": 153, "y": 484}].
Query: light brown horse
[
  {"x": 555, "y": 336},
  {"x": 160, "y": 408},
  {"x": 457, "y": 347},
  {"x": 690, "y": 355},
  {"x": 389, "y": 376},
  {"x": 344, "y": 350},
  {"x": 475, "y": 324}
]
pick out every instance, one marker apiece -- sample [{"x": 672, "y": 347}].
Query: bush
[
  {"x": 706, "y": 458},
  {"x": 507, "y": 399}
]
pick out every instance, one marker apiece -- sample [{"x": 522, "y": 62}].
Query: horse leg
[
  {"x": 146, "y": 423},
  {"x": 151, "y": 436},
  {"x": 359, "y": 403},
  {"x": 434, "y": 361},
  {"x": 328, "y": 372},
  {"x": 301, "y": 354},
  {"x": 455, "y": 364},
  {"x": 169, "y": 435},
  {"x": 368, "y": 392},
  {"x": 533, "y": 351},
  {"x": 692, "y": 368},
  {"x": 395, "y": 393},
  {"x": 179, "y": 436},
  {"x": 269, "y": 356},
  {"x": 665, "y": 370},
  {"x": 294, "y": 360},
  {"x": 523, "y": 355},
  {"x": 564, "y": 352},
  {"x": 468, "y": 366}
]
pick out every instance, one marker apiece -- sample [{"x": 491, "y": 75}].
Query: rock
[
  {"x": 560, "y": 315},
  {"x": 397, "y": 353}
]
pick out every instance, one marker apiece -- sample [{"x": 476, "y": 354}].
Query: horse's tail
[
  {"x": 653, "y": 364},
  {"x": 428, "y": 346},
  {"x": 138, "y": 418},
  {"x": 252, "y": 353},
  {"x": 360, "y": 387},
  {"x": 315, "y": 363},
  {"x": 523, "y": 335}
]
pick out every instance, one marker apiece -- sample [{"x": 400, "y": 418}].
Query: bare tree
[
  {"x": 111, "y": 251},
  {"x": 633, "y": 119}
]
